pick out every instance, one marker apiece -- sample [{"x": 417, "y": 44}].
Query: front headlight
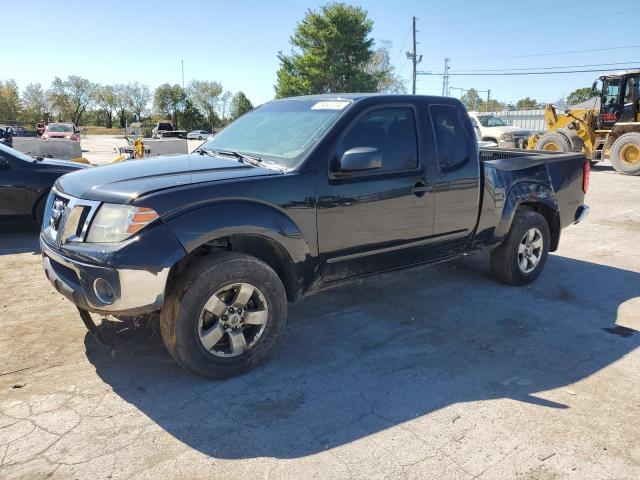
[
  {"x": 67, "y": 136},
  {"x": 114, "y": 222},
  {"x": 507, "y": 137}
]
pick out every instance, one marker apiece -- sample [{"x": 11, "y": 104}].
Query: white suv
[{"x": 497, "y": 131}]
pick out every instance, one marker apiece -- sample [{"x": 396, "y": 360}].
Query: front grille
[
  {"x": 58, "y": 209},
  {"x": 68, "y": 218}
]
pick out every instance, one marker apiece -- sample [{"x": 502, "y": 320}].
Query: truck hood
[
  {"x": 506, "y": 129},
  {"x": 126, "y": 181},
  {"x": 62, "y": 165}
]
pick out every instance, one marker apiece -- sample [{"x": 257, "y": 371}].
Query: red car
[{"x": 61, "y": 131}]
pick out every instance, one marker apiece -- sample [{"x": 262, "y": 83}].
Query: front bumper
[
  {"x": 517, "y": 142},
  {"x": 104, "y": 289}
]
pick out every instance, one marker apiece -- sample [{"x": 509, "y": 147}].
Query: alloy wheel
[
  {"x": 530, "y": 250},
  {"x": 233, "y": 319}
]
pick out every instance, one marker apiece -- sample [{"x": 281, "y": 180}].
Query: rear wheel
[
  {"x": 224, "y": 315},
  {"x": 553, "y": 142},
  {"x": 625, "y": 154},
  {"x": 523, "y": 253}
]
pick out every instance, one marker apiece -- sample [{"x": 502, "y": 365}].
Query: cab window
[
  {"x": 451, "y": 136},
  {"x": 392, "y": 130}
]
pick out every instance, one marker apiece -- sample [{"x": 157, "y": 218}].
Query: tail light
[{"x": 586, "y": 172}]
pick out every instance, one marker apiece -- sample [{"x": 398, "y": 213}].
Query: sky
[{"x": 237, "y": 42}]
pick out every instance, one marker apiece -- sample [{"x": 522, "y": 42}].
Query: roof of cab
[{"x": 358, "y": 96}]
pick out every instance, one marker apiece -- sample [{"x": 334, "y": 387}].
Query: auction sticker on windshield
[{"x": 333, "y": 105}]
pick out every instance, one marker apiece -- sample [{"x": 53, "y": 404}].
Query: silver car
[{"x": 198, "y": 135}]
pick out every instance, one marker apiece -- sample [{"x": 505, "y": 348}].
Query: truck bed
[
  {"x": 516, "y": 159},
  {"x": 550, "y": 178}
]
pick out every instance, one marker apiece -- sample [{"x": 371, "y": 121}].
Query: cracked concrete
[{"x": 428, "y": 373}]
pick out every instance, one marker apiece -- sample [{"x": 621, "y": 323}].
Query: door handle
[{"x": 419, "y": 189}]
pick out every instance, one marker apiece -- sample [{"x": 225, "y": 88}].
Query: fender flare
[
  {"x": 226, "y": 219},
  {"x": 532, "y": 193}
]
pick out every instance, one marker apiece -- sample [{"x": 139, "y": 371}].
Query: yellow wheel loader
[{"x": 608, "y": 131}]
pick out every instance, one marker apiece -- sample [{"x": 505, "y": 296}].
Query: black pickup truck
[{"x": 295, "y": 195}]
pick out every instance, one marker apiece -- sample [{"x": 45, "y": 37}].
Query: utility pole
[
  {"x": 414, "y": 57},
  {"x": 445, "y": 78},
  {"x": 182, "y": 61},
  {"x": 486, "y": 107}
]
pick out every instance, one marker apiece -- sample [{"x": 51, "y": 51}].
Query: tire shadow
[
  {"x": 19, "y": 238},
  {"x": 362, "y": 357}
]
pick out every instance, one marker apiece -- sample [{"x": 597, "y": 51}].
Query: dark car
[
  {"x": 298, "y": 194},
  {"x": 25, "y": 182}
]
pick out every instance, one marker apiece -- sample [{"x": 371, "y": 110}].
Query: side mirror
[
  {"x": 360, "y": 159},
  {"x": 4, "y": 164}
]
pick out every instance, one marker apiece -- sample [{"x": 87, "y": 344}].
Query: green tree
[
  {"x": 225, "y": 100},
  {"x": 579, "y": 95},
  {"x": 34, "y": 103},
  {"x": 240, "y": 105},
  {"x": 526, "y": 104},
  {"x": 107, "y": 99},
  {"x": 331, "y": 49},
  {"x": 381, "y": 68},
  {"x": 10, "y": 105},
  {"x": 472, "y": 100},
  {"x": 205, "y": 95},
  {"x": 493, "y": 106},
  {"x": 191, "y": 118},
  {"x": 121, "y": 104},
  {"x": 137, "y": 96},
  {"x": 70, "y": 98},
  {"x": 169, "y": 101}
]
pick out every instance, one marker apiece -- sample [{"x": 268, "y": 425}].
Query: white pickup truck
[{"x": 497, "y": 131}]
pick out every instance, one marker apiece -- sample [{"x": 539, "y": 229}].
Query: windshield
[
  {"x": 492, "y": 121},
  {"x": 280, "y": 132},
  {"x": 610, "y": 102},
  {"x": 15, "y": 153},
  {"x": 59, "y": 127}
]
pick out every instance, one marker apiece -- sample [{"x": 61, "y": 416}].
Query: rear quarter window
[{"x": 452, "y": 141}]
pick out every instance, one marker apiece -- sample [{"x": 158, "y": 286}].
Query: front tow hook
[{"x": 97, "y": 333}]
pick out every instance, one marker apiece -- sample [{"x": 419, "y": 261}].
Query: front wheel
[
  {"x": 523, "y": 253},
  {"x": 625, "y": 154},
  {"x": 223, "y": 315},
  {"x": 553, "y": 142}
]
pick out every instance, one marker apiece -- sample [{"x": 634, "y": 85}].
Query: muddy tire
[
  {"x": 223, "y": 315},
  {"x": 521, "y": 257},
  {"x": 625, "y": 154},
  {"x": 553, "y": 142}
]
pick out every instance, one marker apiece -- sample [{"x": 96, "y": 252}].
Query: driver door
[{"x": 369, "y": 221}]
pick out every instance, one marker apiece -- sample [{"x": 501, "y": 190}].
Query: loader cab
[{"x": 619, "y": 99}]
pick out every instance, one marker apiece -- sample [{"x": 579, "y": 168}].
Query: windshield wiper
[{"x": 243, "y": 157}]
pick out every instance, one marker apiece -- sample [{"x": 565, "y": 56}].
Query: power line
[
  {"x": 482, "y": 12},
  {"x": 549, "y": 68},
  {"x": 566, "y": 52},
  {"x": 530, "y": 19},
  {"x": 522, "y": 73}
]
